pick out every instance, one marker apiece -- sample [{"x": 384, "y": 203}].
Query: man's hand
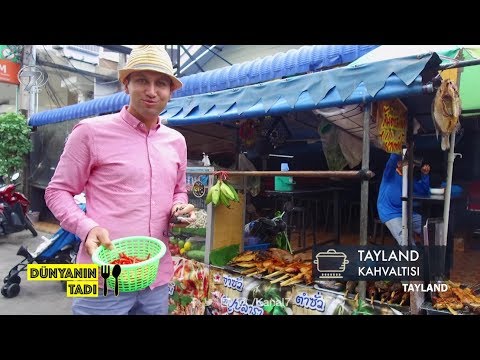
[
  {"x": 425, "y": 169},
  {"x": 96, "y": 237},
  {"x": 185, "y": 214}
]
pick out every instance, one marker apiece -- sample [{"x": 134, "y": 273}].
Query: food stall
[
  {"x": 277, "y": 98},
  {"x": 192, "y": 246},
  {"x": 411, "y": 78},
  {"x": 251, "y": 285}
]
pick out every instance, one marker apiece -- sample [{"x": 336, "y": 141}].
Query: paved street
[{"x": 35, "y": 297}]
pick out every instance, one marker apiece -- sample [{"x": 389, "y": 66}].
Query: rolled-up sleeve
[{"x": 70, "y": 177}]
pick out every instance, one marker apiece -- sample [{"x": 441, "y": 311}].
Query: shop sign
[
  {"x": 391, "y": 117},
  {"x": 198, "y": 189},
  {"x": 307, "y": 300},
  {"x": 310, "y": 301},
  {"x": 231, "y": 293},
  {"x": 32, "y": 78},
  {"x": 10, "y": 58}
]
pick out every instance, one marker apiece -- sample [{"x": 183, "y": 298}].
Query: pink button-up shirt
[{"x": 131, "y": 177}]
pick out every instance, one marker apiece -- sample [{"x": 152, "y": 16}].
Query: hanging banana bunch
[{"x": 222, "y": 192}]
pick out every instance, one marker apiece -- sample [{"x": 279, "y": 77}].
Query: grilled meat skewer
[
  {"x": 371, "y": 292},
  {"x": 405, "y": 298},
  {"x": 350, "y": 287}
]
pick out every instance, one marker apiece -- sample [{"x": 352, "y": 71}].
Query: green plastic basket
[{"x": 134, "y": 277}]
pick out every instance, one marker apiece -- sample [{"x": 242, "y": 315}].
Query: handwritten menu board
[{"x": 391, "y": 116}]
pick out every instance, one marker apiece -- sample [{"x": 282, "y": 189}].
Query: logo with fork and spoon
[{"x": 105, "y": 273}]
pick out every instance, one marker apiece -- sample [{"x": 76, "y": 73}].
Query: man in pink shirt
[{"x": 132, "y": 170}]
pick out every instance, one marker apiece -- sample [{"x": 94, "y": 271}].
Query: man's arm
[
  {"x": 180, "y": 192},
  {"x": 391, "y": 166},
  {"x": 422, "y": 186},
  {"x": 70, "y": 177}
]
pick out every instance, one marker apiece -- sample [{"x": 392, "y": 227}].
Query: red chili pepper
[{"x": 124, "y": 259}]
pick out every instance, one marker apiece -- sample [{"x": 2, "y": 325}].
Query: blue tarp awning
[
  {"x": 293, "y": 62},
  {"x": 104, "y": 105},
  {"x": 330, "y": 88}
]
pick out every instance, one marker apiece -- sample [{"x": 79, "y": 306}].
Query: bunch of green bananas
[{"x": 222, "y": 193}]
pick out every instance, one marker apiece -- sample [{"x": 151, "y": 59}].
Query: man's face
[{"x": 149, "y": 93}]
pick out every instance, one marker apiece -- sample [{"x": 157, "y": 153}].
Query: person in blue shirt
[{"x": 389, "y": 202}]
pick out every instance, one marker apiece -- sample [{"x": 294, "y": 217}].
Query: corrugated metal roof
[
  {"x": 107, "y": 104},
  {"x": 295, "y": 61},
  {"x": 341, "y": 86}
]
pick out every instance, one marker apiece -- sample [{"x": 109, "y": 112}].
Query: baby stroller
[{"x": 61, "y": 248}]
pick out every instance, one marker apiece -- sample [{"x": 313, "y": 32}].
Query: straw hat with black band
[{"x": 153, "y": 58}]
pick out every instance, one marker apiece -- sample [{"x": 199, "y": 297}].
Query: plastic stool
[
  {"x": 353, "y": 207},
  {"x": 294, "y": 214}
]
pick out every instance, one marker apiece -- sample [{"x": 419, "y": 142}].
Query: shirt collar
[{"x": 133, "y": 121}]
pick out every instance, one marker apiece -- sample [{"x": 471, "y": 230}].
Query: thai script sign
[{"x": 391, "y": 118}]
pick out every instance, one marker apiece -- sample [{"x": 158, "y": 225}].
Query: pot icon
[{"x": 331, "y": 264}]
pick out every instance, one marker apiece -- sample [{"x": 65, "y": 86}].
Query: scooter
[{"x": 13, "y": 209}]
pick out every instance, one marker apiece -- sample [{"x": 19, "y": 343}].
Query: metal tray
[
  {"x": 330, "y": 285},
  {"x": 405, "y": 310},
  {"x": 428, "y": 307}
]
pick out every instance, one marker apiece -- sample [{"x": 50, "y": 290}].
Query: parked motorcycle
[{"x": 13, "y": 209}]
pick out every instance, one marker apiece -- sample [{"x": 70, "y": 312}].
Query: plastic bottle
[
  {"x": 284, "y": 183},
  {"x": 206, "y": 160}
]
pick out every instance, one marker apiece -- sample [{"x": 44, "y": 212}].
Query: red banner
[
  {"x": 9, "y": 72},
  {"x": 391, "y": 124}
]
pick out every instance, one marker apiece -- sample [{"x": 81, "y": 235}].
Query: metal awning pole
[
  {"x": 407, "y": 186},
  {"x": 410, "y": 150},
  {"x": 460, "y": 64},
  {"x": 448, "y": 188},
  {"x": 362, "y": 285},
  {"x": 404, "y": 200},
  {"x": 365, "y": 182},
  {"x": 321, "y": 174}
]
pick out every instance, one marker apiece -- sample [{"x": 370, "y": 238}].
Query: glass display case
[{"x": 194, "y": 241}]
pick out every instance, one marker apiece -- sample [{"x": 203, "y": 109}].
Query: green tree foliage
[{"x": 15, "y": 142}]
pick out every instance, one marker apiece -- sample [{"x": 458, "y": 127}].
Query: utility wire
[
  {"x": 92, "y": 81},
  {"x": 50, "y": 99},
  {"x": 50, "y": 91},
  {"x": 75, "y": 89}
]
